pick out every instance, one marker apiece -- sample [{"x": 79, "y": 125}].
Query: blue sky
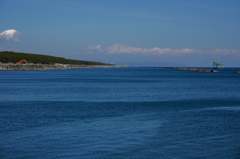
[{"x": 187, "y": 32}]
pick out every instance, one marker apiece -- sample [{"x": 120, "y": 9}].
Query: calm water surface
[{"x": 119, "y": 113}]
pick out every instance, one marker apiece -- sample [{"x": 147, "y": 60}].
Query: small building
[{"x": 218, "y": 65}]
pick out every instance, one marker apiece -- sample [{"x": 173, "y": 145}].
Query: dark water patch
[{"x": 19, "y": 115}]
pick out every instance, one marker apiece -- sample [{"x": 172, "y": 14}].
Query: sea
[{"x": 131, "y": 112}]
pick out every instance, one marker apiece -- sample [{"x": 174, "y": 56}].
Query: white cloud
[
  {"x": 92, "y": 47},
  {"x": 224, "y": 51},
  {"x": 117, "y": 48},
  {"x": 10, "y": 35},
  {"x": 123, "y": 49}
]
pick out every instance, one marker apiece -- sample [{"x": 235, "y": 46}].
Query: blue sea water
[{"x": 119, "y": 113}]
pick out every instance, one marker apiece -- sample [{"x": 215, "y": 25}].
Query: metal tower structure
[{"x": 218, "y": 65}]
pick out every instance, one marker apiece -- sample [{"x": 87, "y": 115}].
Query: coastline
[
  {"x": 191, "y": 69},
  {"x": 38, "y": 67}
]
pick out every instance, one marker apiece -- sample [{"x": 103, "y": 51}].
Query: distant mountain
[
  {"x": 153, "y": 63},
  {"x": 117, "y": 48}
]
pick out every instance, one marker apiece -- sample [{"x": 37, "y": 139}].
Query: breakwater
[
  {"x": 22, "y": 67},
  {"x": 191, "y": 69}
]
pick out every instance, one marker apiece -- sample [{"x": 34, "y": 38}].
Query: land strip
[
  {"x": 25, "y": 67},
  {"x": 191, "y": 69}
]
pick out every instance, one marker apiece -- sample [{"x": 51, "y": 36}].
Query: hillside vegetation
[{"x": 8, "y": 56}]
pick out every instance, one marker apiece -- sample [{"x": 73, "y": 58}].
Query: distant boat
[{"x": 218, "y": 65}]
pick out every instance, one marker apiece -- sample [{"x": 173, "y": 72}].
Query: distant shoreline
[
  {"x": 193, "y": 69},
  {"x": 38, "y": 67}
]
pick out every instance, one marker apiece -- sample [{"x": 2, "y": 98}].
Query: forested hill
[{"x": 8, "y": 56}]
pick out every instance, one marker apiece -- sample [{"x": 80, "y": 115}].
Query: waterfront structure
[{"x": 218, "y": 65}]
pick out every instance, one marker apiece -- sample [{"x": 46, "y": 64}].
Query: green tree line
[{"x": 9, "y": 56}]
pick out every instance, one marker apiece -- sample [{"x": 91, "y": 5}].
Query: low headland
[
  {"x": 12, "y": 61},
  {"x": 191, "y": 69}
]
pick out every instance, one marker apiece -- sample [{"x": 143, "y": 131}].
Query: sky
[{"x": 132, "y": 32}]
